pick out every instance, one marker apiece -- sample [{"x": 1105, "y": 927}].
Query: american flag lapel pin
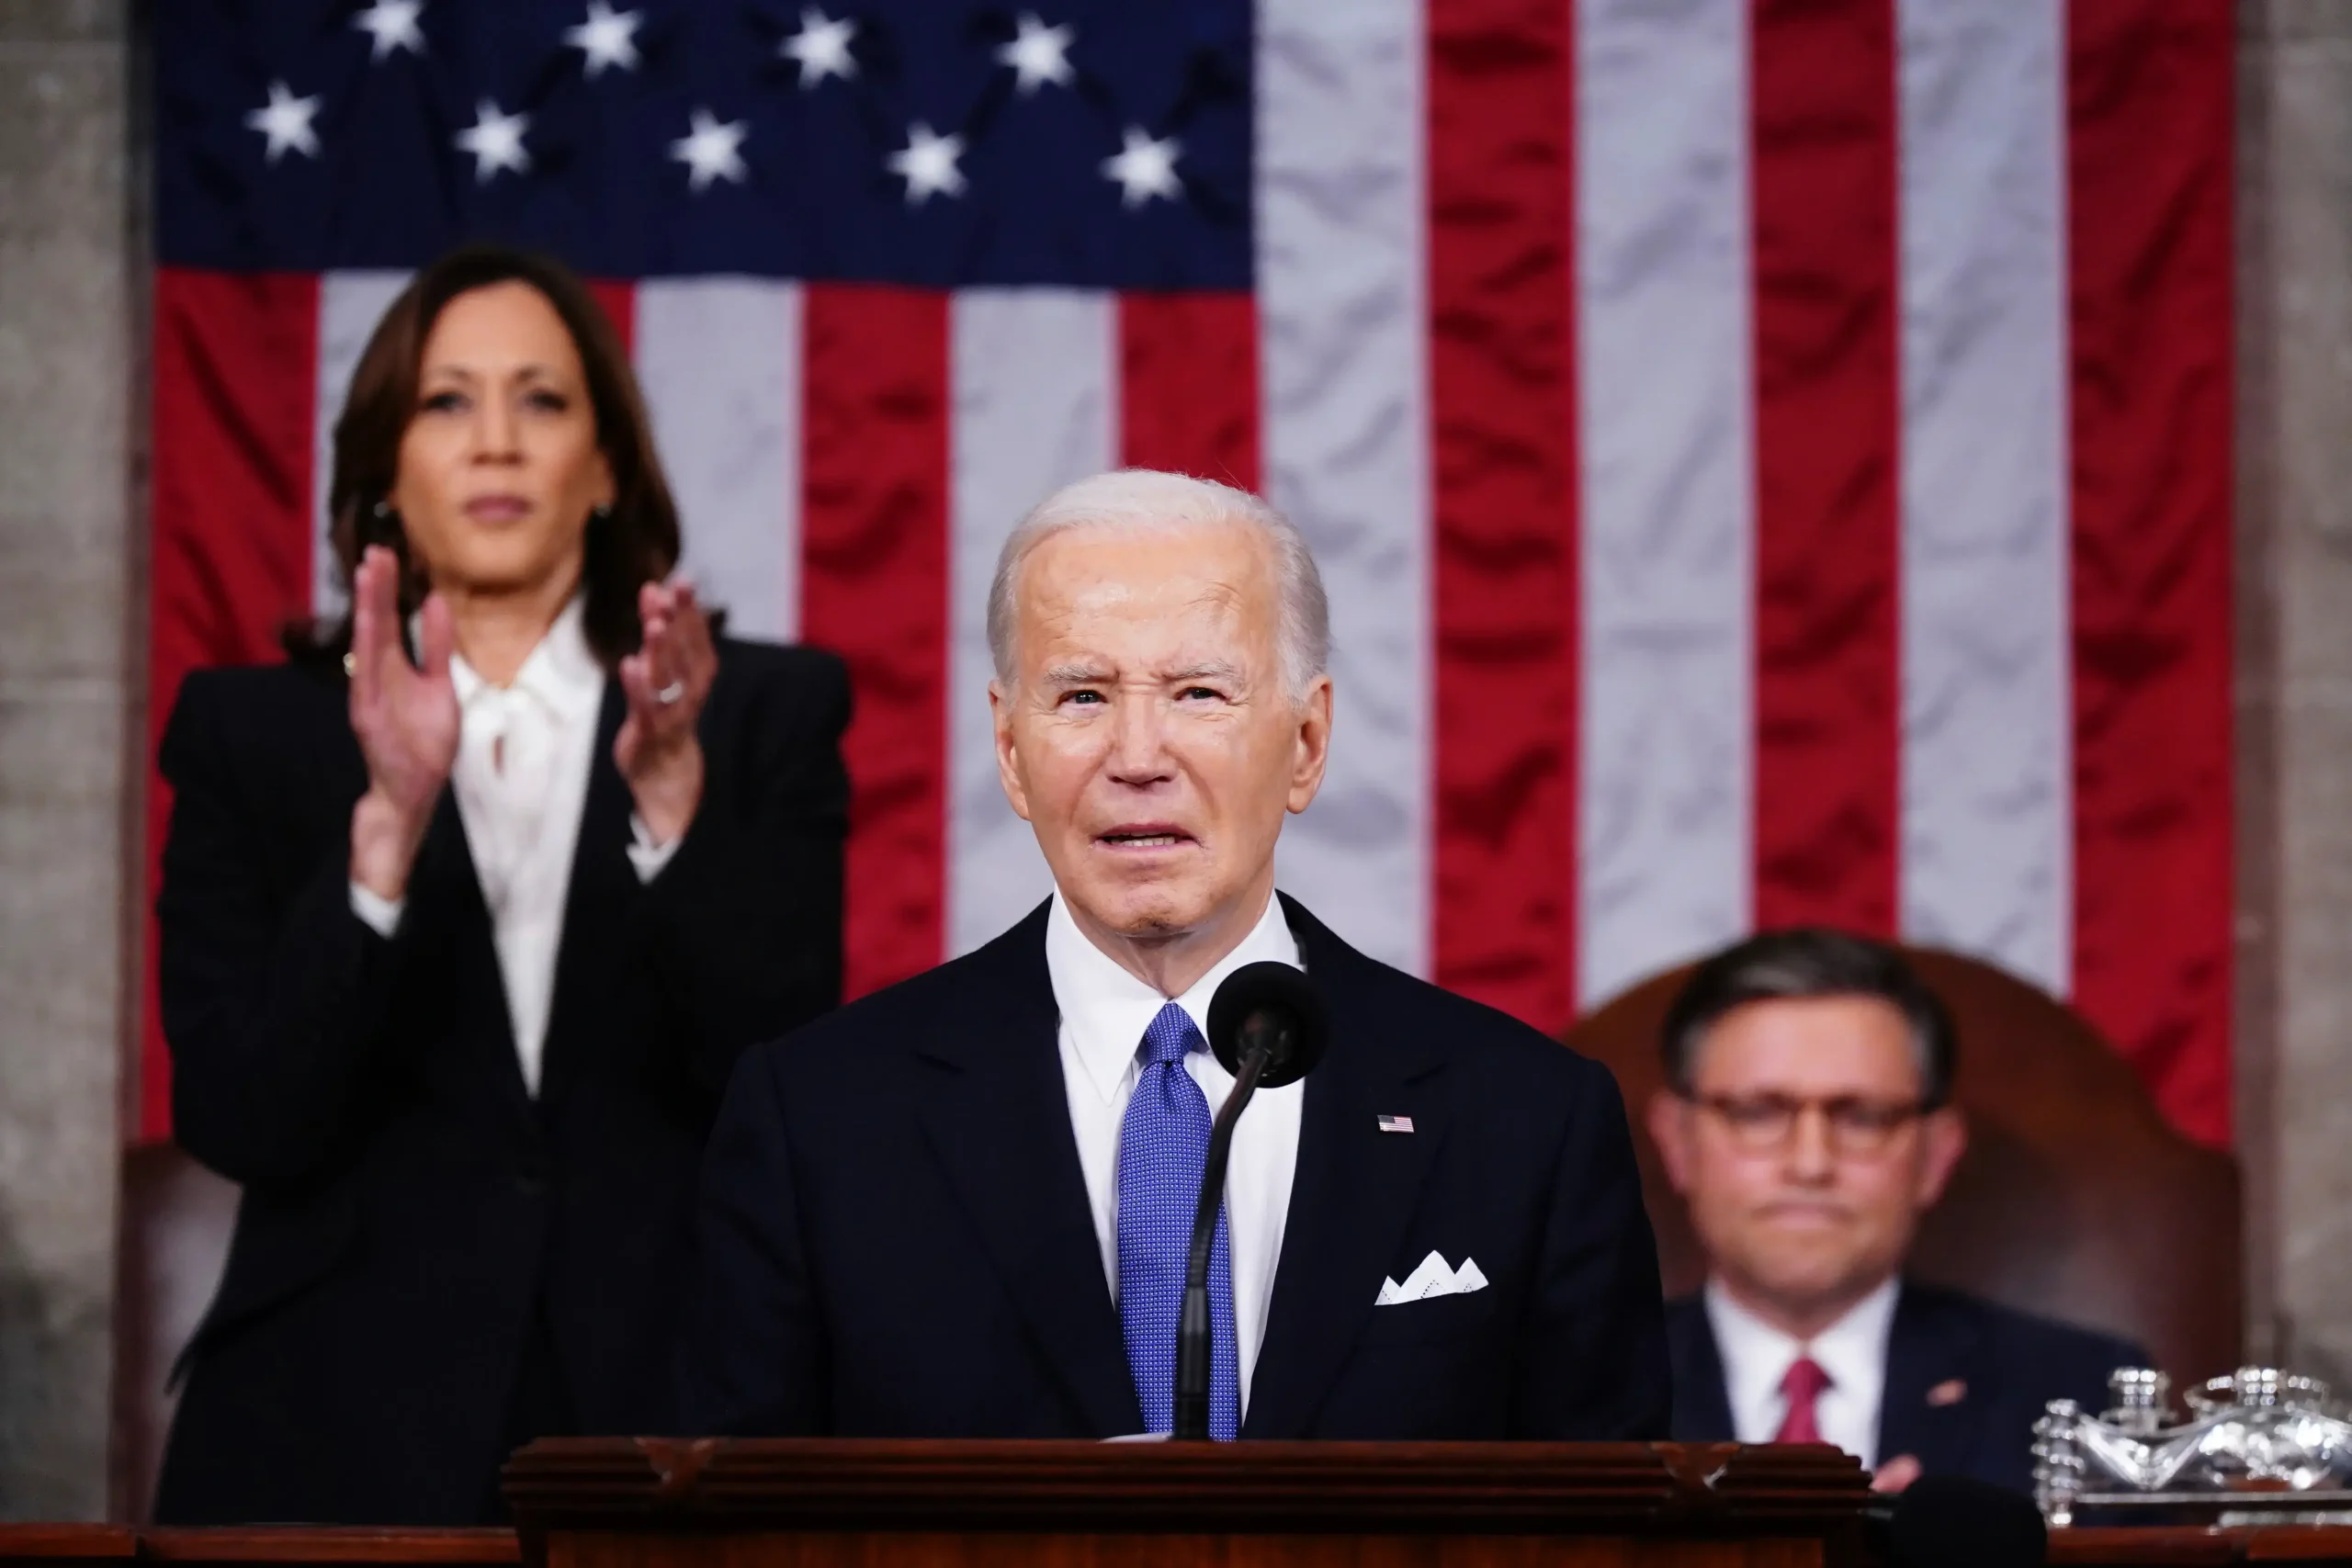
[{"x": 1396, "y": 1124}]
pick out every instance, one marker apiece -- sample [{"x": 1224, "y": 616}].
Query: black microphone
[
  {"x": 1951, "y": 1521},
  {"x": 1267, "y": 1027}
]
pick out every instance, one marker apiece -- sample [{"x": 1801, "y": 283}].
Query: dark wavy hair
[
  {"x": 628, "y": 544},
  {"x": 1810, "y": 960}
]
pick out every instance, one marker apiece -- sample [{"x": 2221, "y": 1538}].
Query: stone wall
[
  {"x": 68, "y": 711},
  {"x": 2294, "y": 1037}
]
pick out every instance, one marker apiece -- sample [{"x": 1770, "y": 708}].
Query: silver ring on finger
[{"x": 671, "y": 692}]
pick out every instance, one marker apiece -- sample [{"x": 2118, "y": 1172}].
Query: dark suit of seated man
[
  {"x": 960, "y": 1207},
  {"x": 1809, "y": 1127}
]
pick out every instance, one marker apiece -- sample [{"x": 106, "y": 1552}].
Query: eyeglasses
[{"x": 1761, "y": 1123}]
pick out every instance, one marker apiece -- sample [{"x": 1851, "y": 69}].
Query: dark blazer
[
  {"x": 896, "y": 1239},
  {"x": 1965, "y": 1381},
  {"x": 412, "y": 1218}
]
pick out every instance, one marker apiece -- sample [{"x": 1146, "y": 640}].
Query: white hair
[{"x": 1147, "y": 497}]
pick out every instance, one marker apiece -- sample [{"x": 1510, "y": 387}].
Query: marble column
[
  {"x": 68, "y": 711},
  {"x": 2294, "y": 1035}
]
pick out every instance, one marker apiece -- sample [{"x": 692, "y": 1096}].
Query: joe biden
[{"x": 959, "y": 1207}]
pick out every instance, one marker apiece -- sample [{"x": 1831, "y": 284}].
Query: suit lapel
[
  {"x": 1926, "y": 1409},
  {"x": 1701, "y": 1400},
  {"x": 1353, "y": 1193},
  {"x": 451, "y": 915},
  {"x": 997, "y": 1115},
  {"x": 595, "y": 903},
  {"x": 446, "y": 877}
]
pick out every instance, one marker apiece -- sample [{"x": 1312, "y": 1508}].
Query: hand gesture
[
  {"x": 406, "y": 719},
  {"x": 658, "y": 750},
  {"x": 1896, "y": 1474}
]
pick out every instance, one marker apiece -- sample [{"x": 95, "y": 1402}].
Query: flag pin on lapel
[
  {"x": 1396, "y": 1124},
  {"x": 1950, "y": 1391}
]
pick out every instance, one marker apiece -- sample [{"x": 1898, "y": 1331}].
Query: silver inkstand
[{"x": 2258, "y": 1447}]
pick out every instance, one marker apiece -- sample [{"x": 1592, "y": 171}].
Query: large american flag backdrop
[{"x": 1770, "y": 461}]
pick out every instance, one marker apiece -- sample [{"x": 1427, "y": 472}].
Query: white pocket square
[{"x": 1432, "y": 1277}]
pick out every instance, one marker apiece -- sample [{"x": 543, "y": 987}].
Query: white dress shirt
[
  {"x": 525, "y": 752},
  {"x": 1103, "y": 1012},
  {"x": 1852, "y": 1350}
]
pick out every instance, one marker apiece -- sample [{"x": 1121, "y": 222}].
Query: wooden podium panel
[
  {"x": 596, "y": 1503},
  {"x": 2189, "y": 1546},
  {"x": 1525, "y": 1545},
  {"x": 256, "y": 1546}
]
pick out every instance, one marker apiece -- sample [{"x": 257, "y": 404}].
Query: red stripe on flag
[
  {"x": 2149, "y": 114},
  {"x": 618, "y": 297},
  {"x": 1829, "y": 387},
  {"x": 236, "y": 361},
  {"x": 1502, "y": 389},
  {"x": 1188, "y": 385},
  {"x": 873, "y": 588}
]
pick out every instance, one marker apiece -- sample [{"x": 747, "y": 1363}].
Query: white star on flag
[
  {"x": 710, "y": 150},
  {"x": 1143, "y": 169},
  {"x": 928, "y": 164},
  {"x": 392, "y": 24},
  {"x": 495, "y": 140},
  {"x": 1040, "y": 55},
  {"x": 286, "y": 121},
  {"x": 821, "y": 47},
  {"x": 606, "y": 38}
]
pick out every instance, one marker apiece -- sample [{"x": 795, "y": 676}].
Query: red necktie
[{"x": 1803, "y": 1385}]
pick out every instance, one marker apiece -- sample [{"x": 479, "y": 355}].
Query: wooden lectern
[{"x": 616, "y": 1503}]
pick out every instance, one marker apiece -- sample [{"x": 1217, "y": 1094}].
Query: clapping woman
[{"x": 467, "y": 911}]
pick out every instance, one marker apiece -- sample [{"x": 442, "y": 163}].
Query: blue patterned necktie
[{"x": 1163, "y": 1144}]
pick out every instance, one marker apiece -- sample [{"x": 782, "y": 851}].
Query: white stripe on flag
[
  {"x": 720, "y": 360},
  {"x": 1666, "y": 398},
  {"x": 1987, "y": 693},
  {"x": 350, "y": 304},
  {"x": 1035, "y": 378},
  {"x": 1341, "y": 299}
]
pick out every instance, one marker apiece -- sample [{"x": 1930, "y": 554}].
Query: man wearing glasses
[{"x": 1808, "y": 1125}]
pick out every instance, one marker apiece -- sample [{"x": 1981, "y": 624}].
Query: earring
[
  {"x": 382, "y": 510},
  {"x": 600, "y": 514}
]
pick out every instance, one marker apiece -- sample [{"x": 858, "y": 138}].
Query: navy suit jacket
[
  {"x": 1965, "y": 1381},
  {"x": 896, "y": 1239}
]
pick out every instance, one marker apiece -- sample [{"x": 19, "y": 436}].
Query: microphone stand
[{"x": 1192, "y": 1418}]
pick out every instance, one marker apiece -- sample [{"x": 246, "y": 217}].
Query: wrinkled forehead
[
  {"x": 1150, "y": 591},
  {"x": 1815, "y": 1047}
]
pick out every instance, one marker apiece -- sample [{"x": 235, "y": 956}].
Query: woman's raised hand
[
  {"x": 406, "y": 719},
  {"x": 658, "y": 750}
]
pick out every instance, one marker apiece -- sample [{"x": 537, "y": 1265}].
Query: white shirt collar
[
  {"x": 1757, "y": 1356},
  {"x": 561, "y": 670},
  {"x": 1107, "y": 1007}
]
